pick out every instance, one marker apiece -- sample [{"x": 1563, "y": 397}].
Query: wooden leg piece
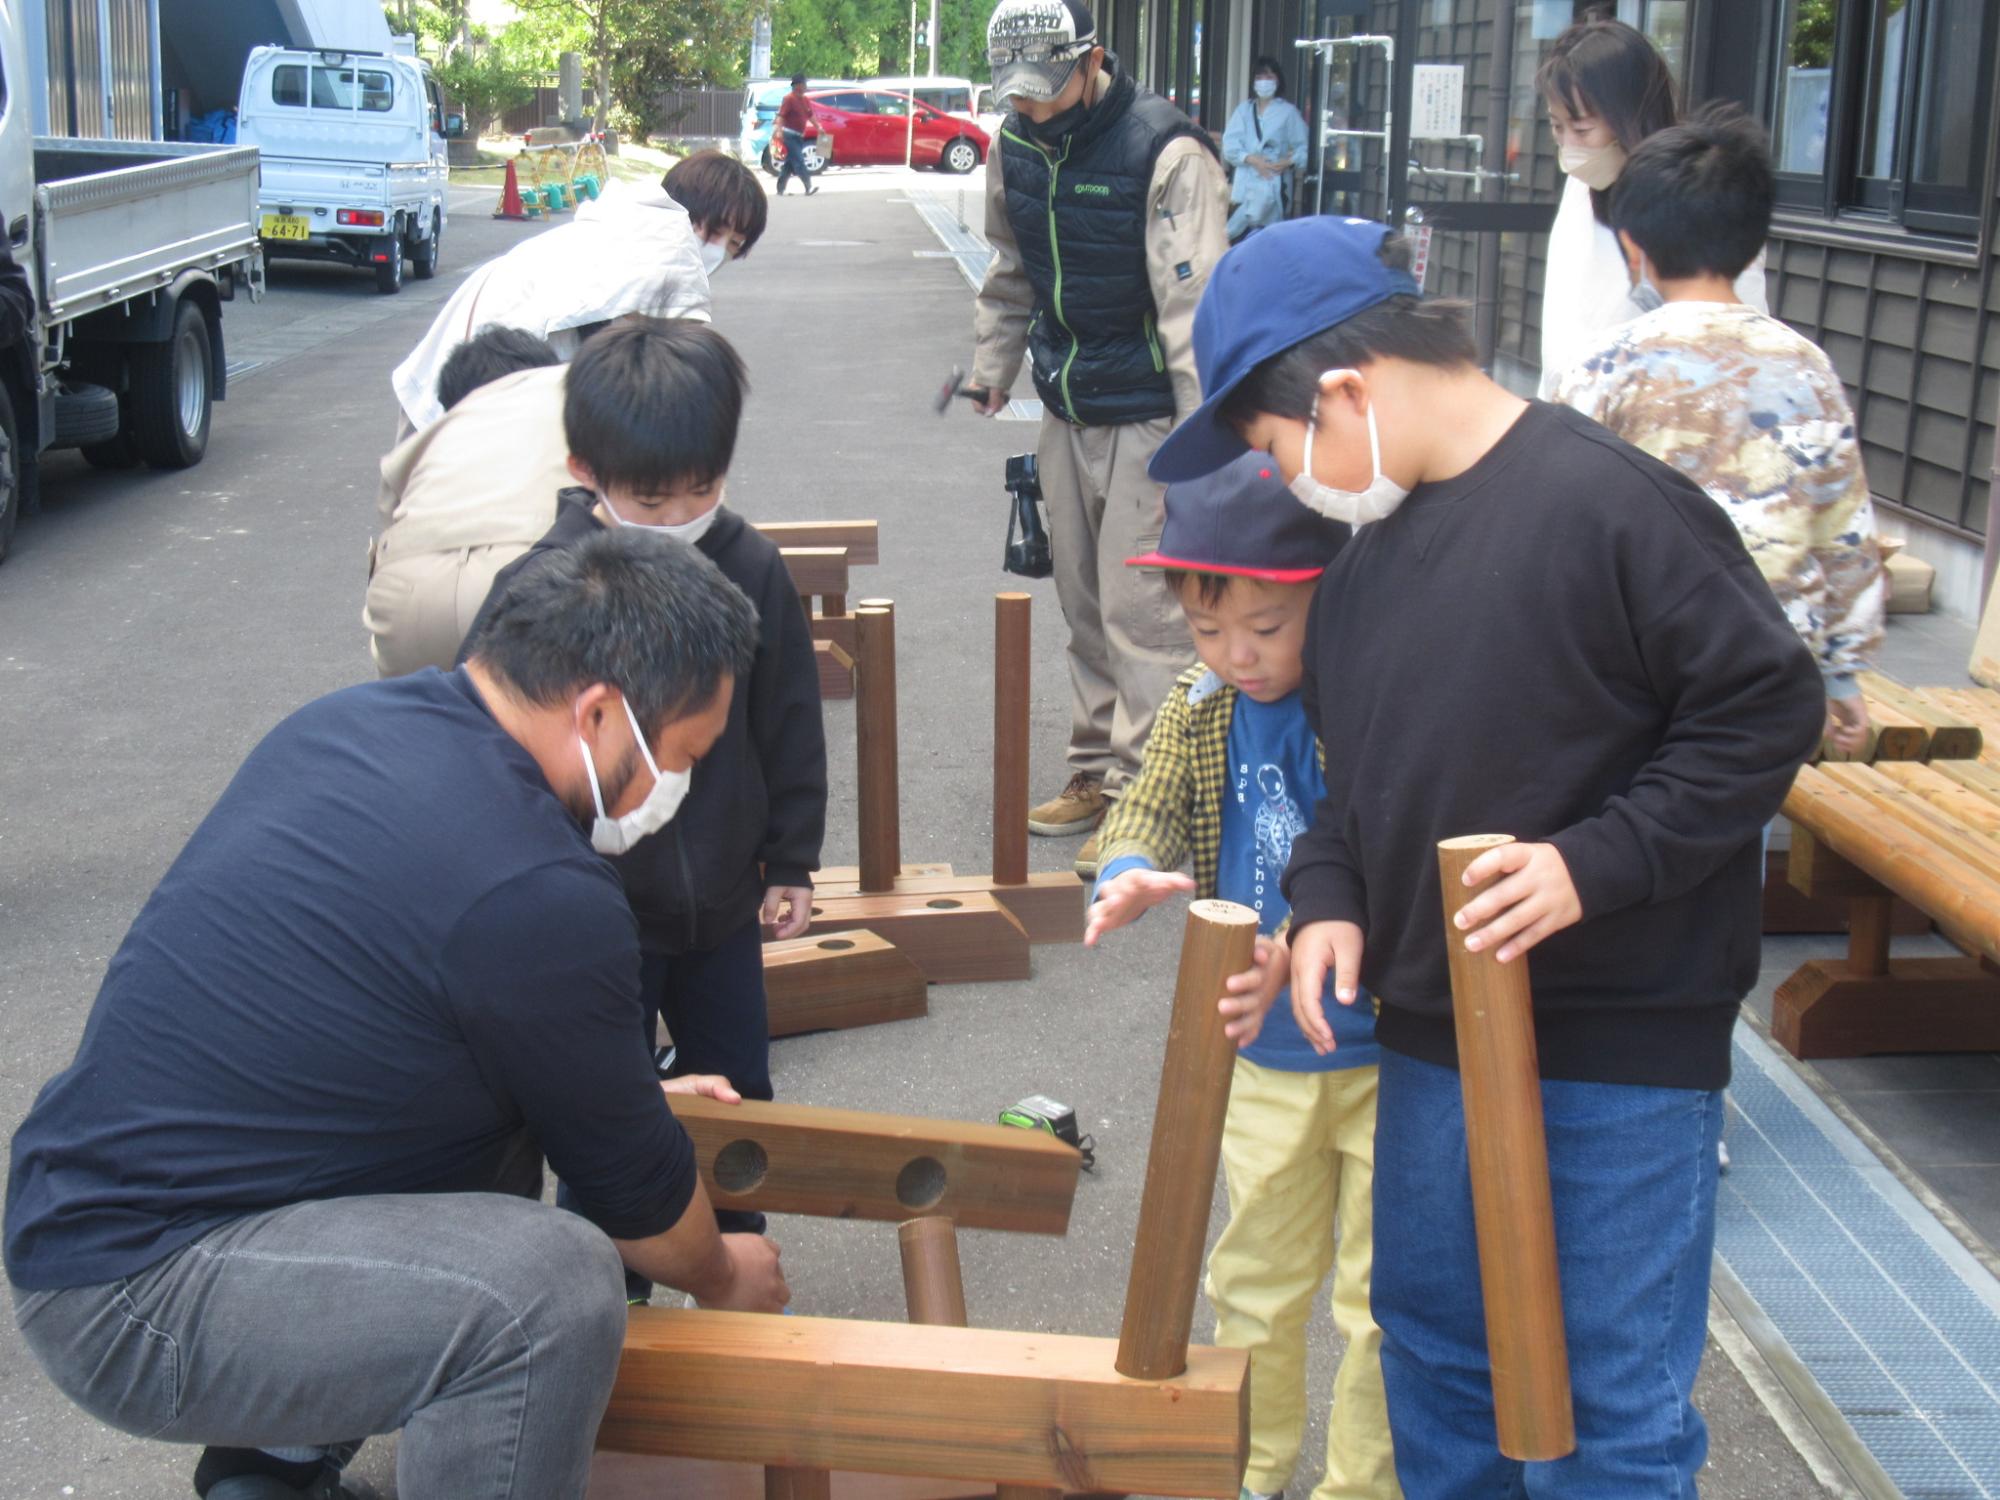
[
  {"x": 933, "y": 1285},
  {"x": 798, "y": 1484},
  {"x": 839, "y": 980},
  {"x": 876, "y": 791},
  {"x": 850, "y": 1164},
  {"x": 836, "y": 670},
  {"x": 1513, "y": 1208},
  {"x": 1828, "y": 1008},
  {"x": 1187, "y": 1145},
  {"x": 953, "y": 939},
  {"x": 1013, "y": 647}
]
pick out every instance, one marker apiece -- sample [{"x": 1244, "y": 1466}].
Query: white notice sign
[{"x": 1437, "y": 101}]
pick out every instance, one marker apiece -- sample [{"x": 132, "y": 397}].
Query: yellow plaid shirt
[{"x": 1173, "y": 812}]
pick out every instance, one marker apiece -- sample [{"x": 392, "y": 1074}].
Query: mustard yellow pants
[{"x": 1298, "y": 1150}]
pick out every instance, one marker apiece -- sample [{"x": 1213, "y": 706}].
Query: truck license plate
[{"x": 287, "y": 227}]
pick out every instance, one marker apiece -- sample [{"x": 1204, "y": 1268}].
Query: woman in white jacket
[
  {"x": 1265, "y": 140},
  {"x": 1606, "y": 89}
]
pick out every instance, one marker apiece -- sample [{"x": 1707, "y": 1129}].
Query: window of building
[{"x": 1878, "y": 113}]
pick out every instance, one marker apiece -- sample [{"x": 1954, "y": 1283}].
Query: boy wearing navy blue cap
[
  {"x": 1537, "y": 630},
  {"x": 1230, "y": 774}
]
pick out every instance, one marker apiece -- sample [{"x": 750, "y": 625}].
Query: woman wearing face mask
[
  {"x": 724, "y": 203},
  {"x": 1606, "y": 89},
  {"x": 1266, "y": 138}
]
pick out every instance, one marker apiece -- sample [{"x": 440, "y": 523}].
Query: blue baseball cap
[
  {"x": 1243, "y": 521},
  {"x": 1281, "y": 286}
]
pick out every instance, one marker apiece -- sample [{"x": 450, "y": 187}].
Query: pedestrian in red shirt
[{"x": 795, "y": 120}]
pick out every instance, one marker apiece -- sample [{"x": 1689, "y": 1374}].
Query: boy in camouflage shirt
[{"x": 1737, "y": 401}]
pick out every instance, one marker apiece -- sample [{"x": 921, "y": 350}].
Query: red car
[{"x": 871, "y": 127}]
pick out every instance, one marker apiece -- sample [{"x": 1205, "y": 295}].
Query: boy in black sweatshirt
[
  {"x": 651, "y": 408},
  {"x": 1537, "y": 630}
]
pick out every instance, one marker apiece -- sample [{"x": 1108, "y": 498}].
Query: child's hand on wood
[
  {"x": 1323, "y": 950},
  {"x": 1252, "y": 992},
  {"x": 796, "y": 902},
  {"x": 1847, "y": 724},
  {"x": 1129, "y": 896},
  {"x": 1535, "y": 898}
]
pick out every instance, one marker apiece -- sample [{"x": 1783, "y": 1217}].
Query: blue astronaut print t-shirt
[{"x": 1273, "y": 785}]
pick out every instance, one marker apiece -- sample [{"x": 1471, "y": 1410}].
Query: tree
[
  {"x": 688, "y": 44},
  {"x": 865, "y": 38},
  {"x": 485, "y": 82}
]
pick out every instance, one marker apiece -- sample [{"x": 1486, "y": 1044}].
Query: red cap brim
[{"x": 1264, "y": 575}]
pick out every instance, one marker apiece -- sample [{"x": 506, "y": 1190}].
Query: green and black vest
[{"x": 1078, "y": 211}]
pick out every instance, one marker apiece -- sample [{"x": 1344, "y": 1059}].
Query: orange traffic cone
[{"x": 511, "y": 206}]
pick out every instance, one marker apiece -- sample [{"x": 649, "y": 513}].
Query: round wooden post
[
  {"x": 932, "y": 1284},
  {"x": 1507, "y": 1150},
  {"x": 1012, "y": 647},
  {"x": 876, "y": 791},
  {"x": 1187, "y": 1145}
]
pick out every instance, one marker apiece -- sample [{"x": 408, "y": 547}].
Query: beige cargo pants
[{"x": 1128, "y": 640}]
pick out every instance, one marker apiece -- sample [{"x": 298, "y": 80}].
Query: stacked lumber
[{"x": 1913, "y": 724}]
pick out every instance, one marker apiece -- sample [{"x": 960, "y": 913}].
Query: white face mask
[
  {"x": 1355, "y": 507},
  {"x": 685, "y": 531},
  {"x": 1596, "y": 167},
  {"x": 714, "y": 255},
  {"x": 1265, "y": 88},
  {"x": 618, "y": 835}
]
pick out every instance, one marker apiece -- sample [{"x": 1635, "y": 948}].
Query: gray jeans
[{"x": 485, "y": 1327}]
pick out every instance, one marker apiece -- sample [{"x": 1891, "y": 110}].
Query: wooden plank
[
  {"x": 1816, "y": 871},
  {"x": 1920, "y": 817},
  {"x": 1964, "y": 806},
  {"x": 850, "y": 1164},
  {"x": 1512, "y": 1203},
  {"x": 1982, "y": 779},
  {"x": 1187, "y": 1145},
  {"x": 955, "y": 939},
  {"x": 840, "y": 980},
  {"x": 644, "y": 1476},
  {"x": 836, "y": 673},
  {"x": 1050, "y": 905},
  {"x": 1891, "y": 736},
  {"x": 862, "y": 539},
  {"x": 1952, "y": 737},
  {"x": 890, "y": 1398},
  {"x": 816, "y": 570},
  {"x": 839, "y": 875}
]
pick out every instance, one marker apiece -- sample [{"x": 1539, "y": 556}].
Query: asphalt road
[{"x": 154, "y": 625}]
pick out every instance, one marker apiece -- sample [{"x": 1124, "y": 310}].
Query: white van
[
  {"x": 353, "y": 147},
  {"x": 948, "y": 96}
]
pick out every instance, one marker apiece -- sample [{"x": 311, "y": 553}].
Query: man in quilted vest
[{"x": 1106, "y": 210}]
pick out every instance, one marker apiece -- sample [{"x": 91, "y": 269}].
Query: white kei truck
[
  {"x": 353, "y": 152},
  {"x": 130, "y": 246}
]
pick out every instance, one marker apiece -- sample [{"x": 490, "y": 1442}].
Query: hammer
[{"x": 955, "y": 386}]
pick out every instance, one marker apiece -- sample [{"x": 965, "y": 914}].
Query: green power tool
[{"x": 1040, "y": 1112}]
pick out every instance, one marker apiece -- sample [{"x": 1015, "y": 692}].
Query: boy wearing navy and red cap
[
  {"x": 1230, "y": 775},
  {"x": 1537, "y": 630}
]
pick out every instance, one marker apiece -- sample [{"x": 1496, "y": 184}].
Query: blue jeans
[
  {"x": 794, "y": 164},
  {"x": 1633, "y": 1172}
]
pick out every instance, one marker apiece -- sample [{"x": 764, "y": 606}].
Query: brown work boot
[
  {"x": 1077, "y": 808},
  {"x": 1086, "y": 860}
]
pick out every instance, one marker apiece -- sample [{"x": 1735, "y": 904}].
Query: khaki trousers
[
  {"x": 1299, "y": 1153},
  {"x": 1128, "y": 640},
  {"x": 418, "y": 608}
]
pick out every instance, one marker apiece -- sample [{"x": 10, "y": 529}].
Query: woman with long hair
[{"x": 1606, "y": 89}]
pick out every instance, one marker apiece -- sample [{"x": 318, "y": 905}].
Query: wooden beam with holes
[
  {"x": 961, "y": 938},
  {"x": 890, "y": 1398},
  {"x": 840, "y": 980},
  {"x": 862, "y": 539},
  {"x": 1049, "y": 905},
  {"x": 848, "y": 1164}
]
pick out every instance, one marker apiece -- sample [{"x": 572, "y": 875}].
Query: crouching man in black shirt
[
  {"x": 266, "y": 1208},
  {"x": 1539, "y": 631}
]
